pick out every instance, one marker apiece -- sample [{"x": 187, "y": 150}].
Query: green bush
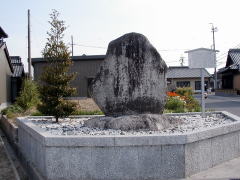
[
  {"x": 185, "y": 91},
  {"x": 175, "y": 105},
  {"x": 37, "y": 113},
  {"x": 79, "y": 112},
  {"x": 29, "y": 95},
  {"x": 12, "y": 111},
  {"x": 192, "y": 105},
  {"x": 27, "y": 100},
  {"x": 183, "y": 103}
]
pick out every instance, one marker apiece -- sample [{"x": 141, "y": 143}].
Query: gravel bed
[{"x": 75, "y": 126}]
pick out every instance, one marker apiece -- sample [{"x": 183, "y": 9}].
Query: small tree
[
  {"x": 55, "y": 85},
  {"x": 29, "y": 95}
]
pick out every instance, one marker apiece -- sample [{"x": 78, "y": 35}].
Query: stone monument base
[
  {"x": 153, "y": 122},
  {"x": 127, "y": 157}
]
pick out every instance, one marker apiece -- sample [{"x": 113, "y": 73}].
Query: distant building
[
  {"x": 17, "y": 77},
  {"x": 183, "y": 76},
  {"x": 230, "y": 74},
  {"x": 85, "y": 66},
  {"x": 6, "y": 71}
]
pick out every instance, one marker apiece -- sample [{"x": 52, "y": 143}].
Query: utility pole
[
  {"x": 29, "y": 47},
  {"x": 72, "y": 44},
  {"x": 214, "y": 29}
]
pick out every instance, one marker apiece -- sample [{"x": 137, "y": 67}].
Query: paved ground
[
  {"x": 230, "y": 169},
  {"x": 6, "y": 169},
  {"x": 227, "y": 170},
  {"x": 220, "y": 103}
]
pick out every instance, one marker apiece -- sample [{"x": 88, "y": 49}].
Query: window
[
  {"x": 198, "y": 85},
  {"x": 183, "y": 83}
]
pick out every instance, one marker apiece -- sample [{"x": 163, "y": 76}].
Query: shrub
[
  {"x": 79, "y": 112},
  {"x": 182, "y": 101},
  {"x": 12, "y": 111},
  {"x": 29, "y": 95},
  {"x": 28, "y": 99},
  {"x": 175, "y": 104},
  {"x": 36, "y": 113},
  {"x": 192, "y": 104},
  {"x": 184, "y": 91}
]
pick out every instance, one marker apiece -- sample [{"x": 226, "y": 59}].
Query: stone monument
[{"x": 130, "y": 86}]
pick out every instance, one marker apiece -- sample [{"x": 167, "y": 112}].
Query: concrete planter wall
[
  {"x": 127, "y": 157},
  {"x": 10, "y": 130}
]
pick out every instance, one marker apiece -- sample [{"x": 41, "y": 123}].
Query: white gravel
[{"x": 189, "y": 123}]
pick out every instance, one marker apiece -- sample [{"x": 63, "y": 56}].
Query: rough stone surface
[
  {"x": 131, "y": 79},
  {"x": 154, "y": 122}
]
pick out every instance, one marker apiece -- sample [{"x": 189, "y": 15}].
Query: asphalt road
[{"x": 220, "y": 103}]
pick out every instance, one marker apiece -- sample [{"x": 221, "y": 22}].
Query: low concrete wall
[
  {"x": 227, "y": 92},
  {"x": 127, "y": 157},
  {"x": 10, "y": 130}
]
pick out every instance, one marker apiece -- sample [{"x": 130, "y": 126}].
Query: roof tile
[{"x": 185, "y": 72}]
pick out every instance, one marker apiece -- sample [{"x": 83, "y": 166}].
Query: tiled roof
[
  {"x": 18, "y": 68},
  {"x": 75, "y": 58},
  {"x": 18, "y": 71},
  {"x": 2, "y": 33},
  {"x": 235, "y": 55},
  {"x": 221, "y": 70},
  {"x": 233, "y": 60},
  {"x": 185, "y": 72}
]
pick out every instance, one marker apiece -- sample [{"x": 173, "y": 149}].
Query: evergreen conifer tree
[{"x": 55, "y": 85}]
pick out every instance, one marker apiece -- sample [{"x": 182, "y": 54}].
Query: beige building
[
  {"x": 183, "y": 76},
  {"x": 6, "y": 71}
]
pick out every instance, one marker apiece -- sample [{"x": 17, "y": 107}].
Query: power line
[
  {"x": 88, "y": 46},
  {"x": 225, "y": 53},
  {"x": 40, "y": 23},
  {"x": 171, "y": 61},
  {"x": 101, "y": 47},
  {"x": 173, "y": 49}
]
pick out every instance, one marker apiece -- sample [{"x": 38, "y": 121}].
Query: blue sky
[{"x": 172, "y": 26}]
